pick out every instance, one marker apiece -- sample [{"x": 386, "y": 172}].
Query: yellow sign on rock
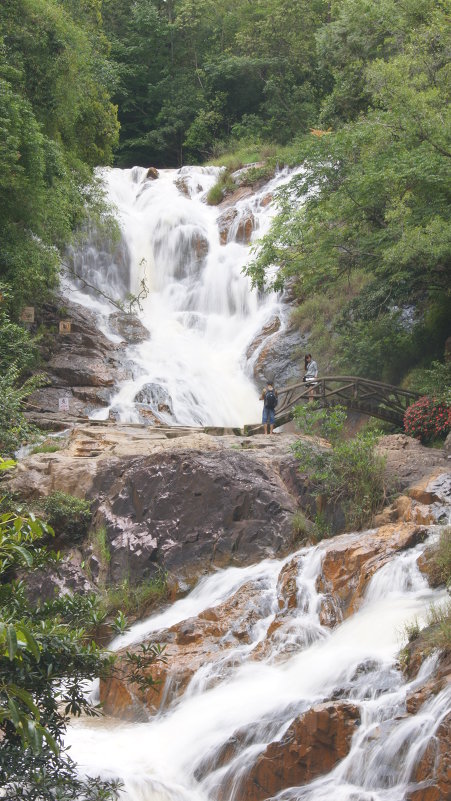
[
  {"x": 27, "y": 315},
  {"x": 65, "y": 326}
]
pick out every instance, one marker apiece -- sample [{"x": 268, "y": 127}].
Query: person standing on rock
[{"x": 270, "y": 400}]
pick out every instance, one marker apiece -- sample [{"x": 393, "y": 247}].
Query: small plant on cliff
[
  {"x": 67, "y": 514},
  {"x": 438, "y": 633},
  {"x": 427, "y": 419},
  {"x": 442, "y": 557},
  {"x": 100, "y": 545},
  {"x": 47, "y": 447},
  {"x": 349, "y": 473},
  {"x": 135, "y": 599}
]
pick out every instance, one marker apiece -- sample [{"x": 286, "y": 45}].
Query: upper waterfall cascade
[{"x": 200, "y": 311}]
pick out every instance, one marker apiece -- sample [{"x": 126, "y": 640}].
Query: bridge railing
[{"x": 374, "y": 398}]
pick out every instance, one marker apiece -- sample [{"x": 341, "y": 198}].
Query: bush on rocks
[
  {"x": 68, "y": 515},
  {"x": 427, "y": 419}
]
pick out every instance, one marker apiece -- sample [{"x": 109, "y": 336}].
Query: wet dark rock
[
  {"x": 189, "y": 512},
  {"x": 129, "y": 327},
  {"x": 155, "y": 396},
  {"x": 152, "y": 173},
  {"x": 66, "y": 578},
  {"x": 83, "y": 365},
  {"x": 279, "y": 358},
  {"x": 183, "y": 186}
]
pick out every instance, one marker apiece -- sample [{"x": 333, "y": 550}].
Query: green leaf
[{"x": 11, "y": 641}]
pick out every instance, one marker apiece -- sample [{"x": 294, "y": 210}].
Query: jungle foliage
[
  {"x": 372, "y": 203},
  {"x": 348, "y": 472}
]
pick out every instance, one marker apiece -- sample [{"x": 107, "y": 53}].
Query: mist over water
[{"x": 200, "y": 311}]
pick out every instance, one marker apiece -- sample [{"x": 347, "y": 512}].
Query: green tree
[
  {"x": 374, "y": 201},
  {"x": 44, "y": 661}
]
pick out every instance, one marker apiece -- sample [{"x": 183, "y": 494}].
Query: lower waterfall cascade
[
  {"x": 171, "y": 757},
  {"x": 202, "y": 315}
]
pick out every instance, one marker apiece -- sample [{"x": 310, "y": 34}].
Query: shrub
[
  {"x": 215, "y": 194},
  {"x": 442, "y": 557},
  {"x": 67, "y": 514},
  {"x": 46, "y": 447},
  {"x": 302, "y": 528},
  {"x": 434, "y": 381},
  {"x": 427, "y": 419},
  {"x": 135, "y": 599},
  {"x": 14, "y": 428},
  {"x": 438, "y": 633},
  {"x": 100, "y": 545},
  {"x": 350, "y": 473}
]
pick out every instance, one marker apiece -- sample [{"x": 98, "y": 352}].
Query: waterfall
[
  {"x": 200, "y": 312},
  {"x": 172, "y": 756}
]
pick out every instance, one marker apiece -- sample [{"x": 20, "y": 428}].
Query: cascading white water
[
  {"x": 201, "y": 312},
  {"x": 170, "y": 757}
]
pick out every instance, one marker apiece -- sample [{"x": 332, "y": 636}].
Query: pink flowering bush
[{"x": 427, "y": 419}]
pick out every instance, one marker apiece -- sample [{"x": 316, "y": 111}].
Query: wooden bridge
[{"x": 357, "y": 394}]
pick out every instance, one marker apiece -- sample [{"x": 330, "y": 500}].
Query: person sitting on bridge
[
  {"x": 311, "y": 372},
  {"x": 270, "y": 400},
  {"x": 311, "y": 368}
]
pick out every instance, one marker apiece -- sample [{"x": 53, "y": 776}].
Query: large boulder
[
  {"x": 155, "y": 396},
  {"x": 225, "y": 222},
  {"x": 129, "y": 327},
  {"x": 189, "y": 512},
  {"x": 82, "y": 365},
  {"x": 275, "y": 358}
]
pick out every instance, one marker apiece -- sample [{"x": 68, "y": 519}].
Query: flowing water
[
  {"x": 200, "y": 311},
  {"x": 171, "y": 757}
]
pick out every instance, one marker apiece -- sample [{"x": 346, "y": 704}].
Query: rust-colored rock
[
  {"x": 266, "y": 200},
  {"x": 350, "y": 562},
  {"x": 245, "y": 227},
  {"x": 427, "y": 564},
  {"x": 200, "y": 246},
  {"x": 225, "y": 222},
  {"x": 287, "y": 586},
  {"x": 433, "y": 771},
  {"x": 313, "y": 744},
  {"x": 114, "y": 694},
  {"x": 407, "y": 510},
  {"x": 189, "y": 645}
]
